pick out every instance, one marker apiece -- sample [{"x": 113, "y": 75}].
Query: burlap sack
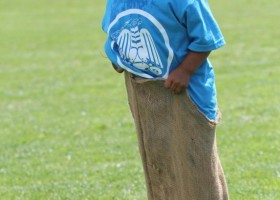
[{"x": 177, "y": 144}]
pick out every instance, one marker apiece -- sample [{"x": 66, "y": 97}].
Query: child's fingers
[
  {"x": 179, "y": 90},
  {"x": 117, "y": 69},
  {"x": 167, "y": 83},
  {"x": 175, "y": 87}
]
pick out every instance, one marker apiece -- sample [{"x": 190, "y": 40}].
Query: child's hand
[
  {"x": 117, "y": 69},
  {"x": 178, "y": 80}
]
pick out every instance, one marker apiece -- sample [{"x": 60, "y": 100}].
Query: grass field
[{"x": 65, "y": 128}]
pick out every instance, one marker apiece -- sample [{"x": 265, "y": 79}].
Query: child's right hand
[
  {"x": 178, "y": 80},
  {"x": 117, "y": 69}
]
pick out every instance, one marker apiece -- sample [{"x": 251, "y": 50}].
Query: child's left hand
[{"x": 117, "y": 69}]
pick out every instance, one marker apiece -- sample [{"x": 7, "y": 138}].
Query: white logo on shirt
[{"x": 136, "y": 45}]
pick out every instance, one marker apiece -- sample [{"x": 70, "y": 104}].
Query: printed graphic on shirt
[
  {"x": 135, "y": 33},
  {"x": 137, "y": 47}
]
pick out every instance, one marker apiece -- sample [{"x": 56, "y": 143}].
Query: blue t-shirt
[{"x": 150, "y": 38}]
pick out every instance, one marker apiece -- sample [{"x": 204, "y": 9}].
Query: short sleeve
[{"x": 202, "y": 28}]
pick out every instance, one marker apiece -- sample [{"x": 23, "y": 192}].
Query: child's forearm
[
  {"x": 179, "y": 78},
  {"x": 193, "y": 61}
]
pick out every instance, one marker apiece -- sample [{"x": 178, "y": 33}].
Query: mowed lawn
[{"x": 65, "y": 128}]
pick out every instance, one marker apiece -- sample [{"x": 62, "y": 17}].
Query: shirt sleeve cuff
[{"x": 204, "y": 48}]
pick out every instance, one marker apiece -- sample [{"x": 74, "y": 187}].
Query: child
[{"x": 163, "y": 45}]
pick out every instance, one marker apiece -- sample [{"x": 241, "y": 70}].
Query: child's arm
[{"x": 179, "y": 78}]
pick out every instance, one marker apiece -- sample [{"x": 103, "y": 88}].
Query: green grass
[{"x": 65, "y": 128}]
